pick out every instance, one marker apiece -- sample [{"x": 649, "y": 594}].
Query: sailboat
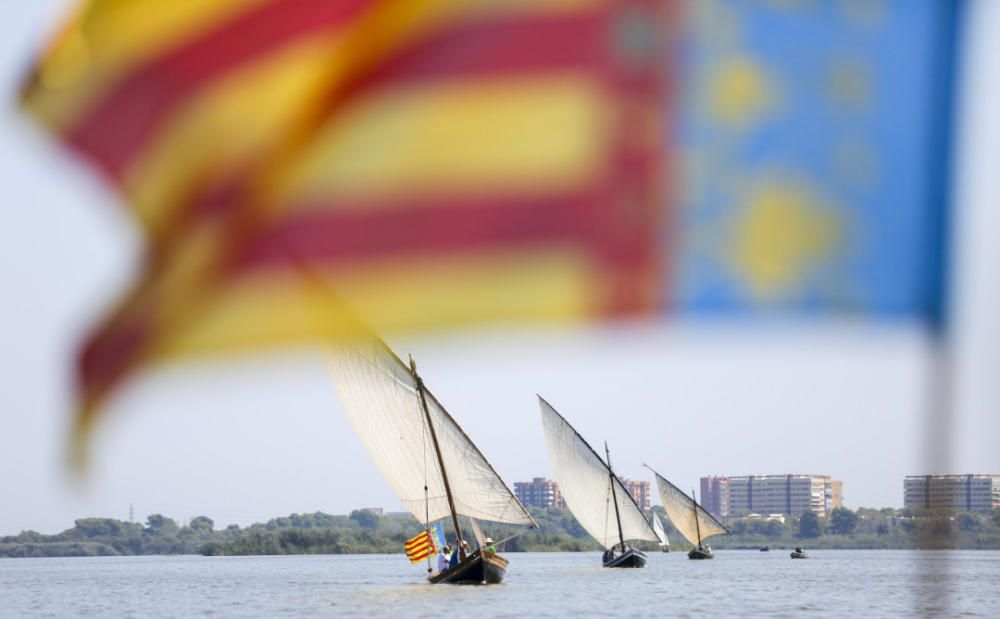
[
  {"x": 690, "y": 519},
  {"x": 433, "y": 466},
  {"x": 597, "y": 498},
  {"x": 661, "y": 533}
]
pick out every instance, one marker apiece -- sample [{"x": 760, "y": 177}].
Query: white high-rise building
[
  {"x": 771, "y": 494},
  {"x": 970, "y": 493}
]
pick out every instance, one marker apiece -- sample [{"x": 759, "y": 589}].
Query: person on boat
[
  {"x": 613, "y": 552},
  {"x": 444, "y": 558},
  {"x": 465, "y": 548},
  {"x": 489, "y": 550},
  {"x": 453, "y": 559},
  {"x": 798, "y": 549}
]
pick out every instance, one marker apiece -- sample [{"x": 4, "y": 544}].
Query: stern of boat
[
  {"x": 474, "y": 570},
  {"x": 630, "y": 558}
]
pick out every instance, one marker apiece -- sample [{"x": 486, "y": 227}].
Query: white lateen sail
[
  {"x": 585, "y": 484},
  {"x": 382, "y": 400},
  {"x": 682, "y": 510},
  {"x": 660, "y": 533}
]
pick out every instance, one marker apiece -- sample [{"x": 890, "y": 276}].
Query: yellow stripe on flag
[
  {"x": 272, "y": 308},
  {"x": 216, "y": 133},
  {"x": 108, "y": 38},
  {"x": 419, "y": 547},
  {"x": 545, "y": 133}
]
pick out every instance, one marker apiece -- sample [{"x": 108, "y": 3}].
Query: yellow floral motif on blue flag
[{"x": 812, "y": 138}]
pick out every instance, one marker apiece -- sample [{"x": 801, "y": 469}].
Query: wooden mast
[
  {"x": 697, "y": 526},
  {"x": 437, "y": 450},
  {"x": 614, "y": 496}
]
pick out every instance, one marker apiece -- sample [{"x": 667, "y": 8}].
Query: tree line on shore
[
  {"x": 868, "y": 528},
  {"x": 365, "y": 531}
]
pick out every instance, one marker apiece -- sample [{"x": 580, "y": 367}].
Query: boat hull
[
  {"x": 474, "y": 570},
  {"x": 799, "y": 555},
  {"x": 630, "y": 558},
  {"x": 700, "y": 554}
]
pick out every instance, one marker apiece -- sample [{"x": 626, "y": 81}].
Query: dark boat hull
[
  {"x": 630, "y": 558},
  {"x": 799, "y": 555},
  {"x": 700, "y": 554},
  {"x": 474, "y": 570}
]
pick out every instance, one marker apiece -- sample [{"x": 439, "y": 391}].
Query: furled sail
[
  {"x": 382, "y": 401},
  {"x": 660, "y": 533},
  {"x": 682, "y": 510},
  {"x": 585, "y": 484}
]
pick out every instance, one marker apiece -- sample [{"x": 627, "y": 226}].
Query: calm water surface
[{"x": 737, "y": 583}]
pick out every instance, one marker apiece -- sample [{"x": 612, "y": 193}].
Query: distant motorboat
[
  {"x": 798, "y": 553},
  {"x": 765, "y": 548}
]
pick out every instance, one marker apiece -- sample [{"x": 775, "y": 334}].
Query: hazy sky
[{"x": 245, "y": 441}]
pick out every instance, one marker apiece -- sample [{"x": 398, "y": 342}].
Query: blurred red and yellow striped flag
[
  {"x": 433, "y": 162},
  {"x": 420, "y": 547}
]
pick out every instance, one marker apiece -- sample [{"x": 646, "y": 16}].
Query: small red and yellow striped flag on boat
[
  {"x": 420, "y": 547},
  {"x": 434, "y": 162}
]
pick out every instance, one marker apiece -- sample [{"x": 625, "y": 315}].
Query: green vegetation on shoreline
[{"x": 365, "y": 532}]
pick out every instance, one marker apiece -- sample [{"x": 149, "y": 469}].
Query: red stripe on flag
[
  {"x": 423, "y": 548},
  {"x": 121, "y": 123},
  {"x": 358, "y": 231},
  {"x": 112, "y": 351},
  {"x": 435, "y": 225},
  {"x": 419, "y": 547},
  {"x": 495, "y": 46},
  {"x": 619, "y": 235},
  {"x": 120, "y": 126},
  {"x": 421, "y": 540}
]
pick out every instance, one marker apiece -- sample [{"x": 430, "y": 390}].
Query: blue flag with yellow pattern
[{"x": 812, "y": 141}]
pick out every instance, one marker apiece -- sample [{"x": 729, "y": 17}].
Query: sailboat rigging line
[
  {"x": 510, "y": 537},
  {"x": 427, "y": 499},
  {"x": 611, "y": 479},
  {"x": 697, "y": 525},
  {"x": 437, "y": 449}
]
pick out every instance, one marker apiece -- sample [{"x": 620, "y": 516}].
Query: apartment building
[
  {"x": 791, "y": 494},
  {"x": 539, "y": 492},
  {"x": 969, "y": 493}
]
